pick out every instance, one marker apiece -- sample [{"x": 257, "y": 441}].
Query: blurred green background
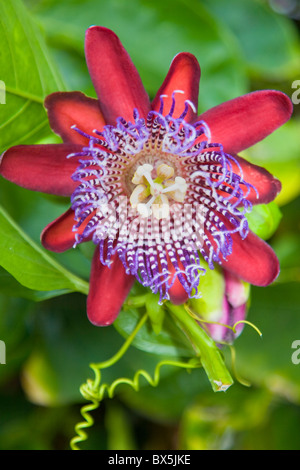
[{"x": 241, "y": 46}]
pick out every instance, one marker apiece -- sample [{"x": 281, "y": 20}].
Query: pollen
[{"x": 155, "y": 189}]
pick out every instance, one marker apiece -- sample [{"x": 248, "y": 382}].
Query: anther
[
  {"x": 141, "y": 172},
  {"x": 161, "y": 190}
]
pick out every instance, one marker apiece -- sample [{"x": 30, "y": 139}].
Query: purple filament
[{"x": 216, "y": 194}]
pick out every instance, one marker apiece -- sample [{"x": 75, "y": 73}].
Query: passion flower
[{"x": 156, "y": 187}]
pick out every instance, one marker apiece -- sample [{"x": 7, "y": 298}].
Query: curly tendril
[
  {"x": 95, "y": 392},
  {"x": 233, "y": 327},
  {"x": 208, "y": 357}
]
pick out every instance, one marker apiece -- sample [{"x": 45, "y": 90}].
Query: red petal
[
  {"x": 236, "y": 292},
  {"x": 252, "y": 260},
  {"x": 241, "y": 122},
  {"x": 109, "y": 287},
  {"x": 177, "y": 293},
  {"x": 58, "y": 236},
  {"x": 184, "y": 75},
  {"x": 66, "y": 109},
  {"x": 43, "y": 168},
  {"x": 267, "y": 185},
  {"x": 115, "y": 78}
]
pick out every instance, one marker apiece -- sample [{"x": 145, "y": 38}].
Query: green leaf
[
  {"x": 28, "y": 74},
  {"x": 30, "y": 264},
  {"x": 12, "y": 288},
  {"x": 264, "y": 219},
  {"x": 169, "y": 342}
]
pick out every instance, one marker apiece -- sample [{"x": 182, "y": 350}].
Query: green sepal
[
  {"x": 264, "y": 219},
  {"x": 212, "y": 288}
]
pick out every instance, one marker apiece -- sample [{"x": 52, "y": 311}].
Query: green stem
[{"x": 205, "y": 347}]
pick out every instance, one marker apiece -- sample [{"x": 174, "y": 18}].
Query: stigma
[{"x": 155, "y": 189}]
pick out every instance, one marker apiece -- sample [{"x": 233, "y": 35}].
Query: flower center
[
  {"x": 170, "y": 169},
  {"x": 152, "y": 196}
]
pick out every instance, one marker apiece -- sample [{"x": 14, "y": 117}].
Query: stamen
[
  {"x": 139, "y": 193},
  {"x": 143, "y": 171},
  {"x": 164, "y": 172},
  {"x": 180, "y": 185},
  {"x": 156, "y": 189}
]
